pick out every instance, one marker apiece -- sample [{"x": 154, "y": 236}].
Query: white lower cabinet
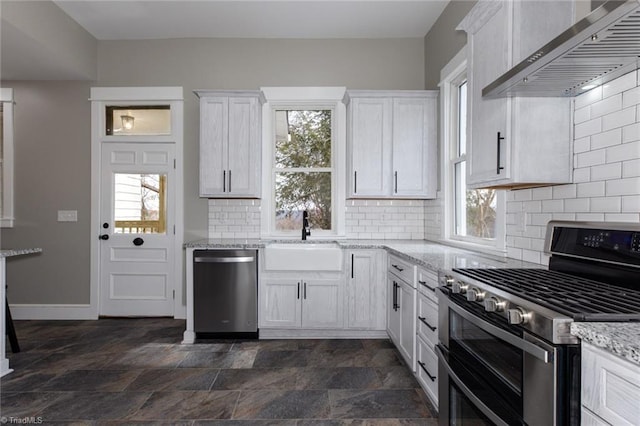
[
  {"x": 366, "y": 301},
  {"x": 401, "y": 308},
  {"x": 293, "y": 301},
  {"x": 427, "y": 369},
  {"x": 610, "y": 389},
  {"x": 427, "y": 333}
]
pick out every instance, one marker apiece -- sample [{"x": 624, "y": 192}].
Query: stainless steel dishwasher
[{"x": 225, "y": 293}]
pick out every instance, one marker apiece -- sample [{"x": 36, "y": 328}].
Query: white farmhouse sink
[{"x": 303, "y": 257}]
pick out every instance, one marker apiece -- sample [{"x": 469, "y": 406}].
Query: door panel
[{"x": 137, "y": 242}]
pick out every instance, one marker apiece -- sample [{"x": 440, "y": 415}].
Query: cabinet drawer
[
  {"x": 427, "y": 283},
  {"x": 610, "y": 386},
  {"x": 427, "y": 370},
  {"x": 427, "y": 323},
  {"x": 403, "y": 269}
]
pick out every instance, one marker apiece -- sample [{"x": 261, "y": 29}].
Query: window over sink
[{"x": 303, "y": 166}]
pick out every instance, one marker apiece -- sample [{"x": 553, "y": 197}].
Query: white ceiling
[{"x": 157, "y": 19}]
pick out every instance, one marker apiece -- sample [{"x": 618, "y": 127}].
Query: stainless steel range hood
[{"x": 597, "y": 49}]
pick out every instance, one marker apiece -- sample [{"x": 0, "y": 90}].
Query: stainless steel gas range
[{"x": 506, "y": 355}]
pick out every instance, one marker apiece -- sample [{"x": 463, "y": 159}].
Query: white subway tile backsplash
[
  {"x": 588, "y": 128},
  {"x": 631, "y": 204},
  {"x": 591, "y": 158},
  {"x": 591, "y": 189},
  {"x": 624, "y": 83},
  {"x": 605, "y": 139},
  {"x": 627, "y": 186},
  {"x": 631, "y": 133},
  {"x": 564, "y": 191},
  {"x": 622, "y": 118},
  {"x": 588, "y": 98},
  {"x": 606, "y": 106},
  {"x": 631, "y": 97},
  {"x": 622, "y": 217},
  {"x": 582, "y": 145},
  {"x": 590, "y": 217},
  {"x": 581, "y": 115},
  {"x": 573, "y": 205},
  {"x": 605, "y": 204},
  {"x": 606, "y": 171},
  {"x": 550, "y": 206},
  {"x": 582, "y": 175},
  {"x": 623, "y": 152},
  {"x": 631, "y": 168}
]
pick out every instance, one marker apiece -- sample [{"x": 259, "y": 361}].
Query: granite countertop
[
  {"x": 18, "y": 252},
  {"x": 431, "y": 255},
  {"x": 619, "y": 338}
]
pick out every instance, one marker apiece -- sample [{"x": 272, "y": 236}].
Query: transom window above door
[{"x": 142, "y": 120}]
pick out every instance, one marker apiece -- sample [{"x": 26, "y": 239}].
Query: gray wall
[
  {"x": 52, "y": 172},
  {"x": 249, "y": 64},
  {"x": 41, "y": 42},
  {"x": 442, "y": 42},
  {"x": 52, "y": 133}
]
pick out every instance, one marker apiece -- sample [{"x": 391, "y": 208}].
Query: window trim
[
  {"x": 278, "y": 98},
  {"x": 7, "y": 214},
  {"x": 451, "y": 76}
]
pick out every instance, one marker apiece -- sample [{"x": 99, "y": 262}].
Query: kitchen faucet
[{"x": 306, "y": 229}]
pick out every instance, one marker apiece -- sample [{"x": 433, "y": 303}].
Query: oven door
[{"x": 490, "y": 372}]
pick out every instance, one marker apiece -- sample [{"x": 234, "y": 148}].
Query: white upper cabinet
[
  {"x": 391, "y": 144},
  {"x": 230, "y": 144},
  {"x": 523, "y": 141}
]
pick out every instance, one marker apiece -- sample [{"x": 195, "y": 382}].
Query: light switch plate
[{"x": 67, "y": 215}]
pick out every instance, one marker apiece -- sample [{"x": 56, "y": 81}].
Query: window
[
  {"x": 137, "y": 120},
  {"x": 303, "y": 162},
  {"x": 6, "y": 158},
  {"x": 140, "y": 203},
  {"x": 473, "y": 215},
  {"x": 302, "y": 169}
]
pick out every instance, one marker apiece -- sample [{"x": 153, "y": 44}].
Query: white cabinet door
[
  {"x": 407, "y": 307},
  {"x": 392, "y": 144},
  {"x": 230, "y": 152},
  {"x": 427, "y": 320},
  {"x": 488, "y": 50},
  {"x": 393, "y": 317},
  {"x": 214, "y": 113},
  {"x": 414, "y": 168},
  {"x": 244, "y": 150},
  {"x": 521, "y": 141},
  {"x": 322, "y": 303},
  {"x": 370, "y": 146},
  {"x": 366, "y": 295},
  {"x": 427, "y": 369},
  {"x": 280, "y": 302}
]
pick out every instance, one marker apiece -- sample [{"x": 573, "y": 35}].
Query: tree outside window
[{"x": 303, "y": 168}]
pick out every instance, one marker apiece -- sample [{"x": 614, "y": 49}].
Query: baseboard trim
[
  {"x": 53, "y": 312},
  {"x": 273, "y": 333}
]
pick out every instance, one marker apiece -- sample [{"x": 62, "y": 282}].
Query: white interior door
[{"x": 137, "y": 218}]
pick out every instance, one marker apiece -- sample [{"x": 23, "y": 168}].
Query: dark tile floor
[{"x": 134, "y": 371}]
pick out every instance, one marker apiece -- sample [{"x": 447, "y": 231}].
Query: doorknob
[
  {"x": 138, "y": 241},
  {"x": 104, "y": 236}
]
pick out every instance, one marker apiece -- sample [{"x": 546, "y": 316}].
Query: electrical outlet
[{"x": 67, "y": 215}]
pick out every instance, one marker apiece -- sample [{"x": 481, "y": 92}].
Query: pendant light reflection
[{"x": 127, "y": 122}]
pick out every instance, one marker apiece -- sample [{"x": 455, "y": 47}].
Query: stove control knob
[
  {"x": 492, "y": 304},
  {"x": 518, "y": 316},
  {"x": 459, "y": 287},
  {"x": 475, "y": 295},
  {"x": 447, "y": 280}
]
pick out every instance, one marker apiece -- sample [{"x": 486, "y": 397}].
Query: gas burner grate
[{"x": 580, "y": 298}]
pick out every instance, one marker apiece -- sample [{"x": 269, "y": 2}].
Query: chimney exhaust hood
[{"x": 599, "y": 48}]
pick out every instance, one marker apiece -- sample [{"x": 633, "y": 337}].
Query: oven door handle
[
  {"x": 516, "y": 341},
  {"x": 467, "y": 392}
]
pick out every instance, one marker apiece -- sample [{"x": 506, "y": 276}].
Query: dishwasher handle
[{"x": 232, "y": 259}]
